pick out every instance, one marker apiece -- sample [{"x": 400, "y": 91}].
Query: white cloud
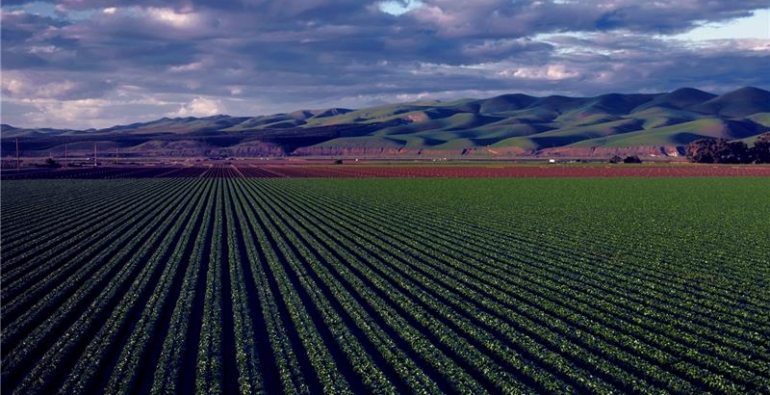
[
  {"x": 171, "y": 17},
  {"x": 407, "y": 97},
  {"x": 12, "y": 86},
  {"x": 195, "y": 66},
  {"x": 128, "y": 105},
  {"x": 19, "y": 86},
  {"x": 51, "y": 53},
  {"x": 55, "y": 89},
  {"x": 46, "y": 49},
  {"x": 85, "y": 113},
  {"x": 551, "y": 73},
  {"x": 200, "y": 107},
  {"x": 760, "y": 47}
]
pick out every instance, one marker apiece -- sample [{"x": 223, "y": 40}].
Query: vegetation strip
[{"x": 226, "y": 283}]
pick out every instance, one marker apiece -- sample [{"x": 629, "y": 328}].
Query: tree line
[{"x": 723, "y": 151}]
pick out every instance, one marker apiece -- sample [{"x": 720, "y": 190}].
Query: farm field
[
  {"x": 393, "y": 170},
  {"x": 234, "y": 281}
]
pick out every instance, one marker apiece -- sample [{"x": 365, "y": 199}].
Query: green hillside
[
  {"x": 674, "y": 135},
  {"x": 507, "y": 121}
]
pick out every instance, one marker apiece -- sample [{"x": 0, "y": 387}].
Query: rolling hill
[{"x": 503, "y": 125}]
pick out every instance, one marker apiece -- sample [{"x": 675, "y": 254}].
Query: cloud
[
  {"x": 548, "y": 73},
  {"x": 503, "y": 18},
  {"x": 169, "y": 16},
  {"x": 20, "y": 85},
  {"x": 247, "y": 57},
  {"x": 200, "y": 107},
  {"x": 194, "y": 66}
]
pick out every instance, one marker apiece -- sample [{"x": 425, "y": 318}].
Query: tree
[
  {"x": 632, "y": 159},
  {"x": 616, "y": 159},
  {"x": 719, "y": 151},
  {"x": 702, "y": 150},
  {"x": 760, "y": 153},
  {"x": 52, "y": 163},
  {"x": 732, "y": 152}
]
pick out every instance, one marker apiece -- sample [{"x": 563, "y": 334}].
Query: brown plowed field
[
  {"x": 385, "y": 171},
  {"x": 399, "y": 171}
]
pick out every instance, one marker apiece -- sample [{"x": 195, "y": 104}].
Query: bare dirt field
[{"x": 389, "y": 170}]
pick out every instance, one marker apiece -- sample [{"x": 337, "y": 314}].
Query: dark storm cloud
[
  {"x": 22, "y": 44},
  {"x": 21, "y": 26},
  {"x": 258, "y": 56}
]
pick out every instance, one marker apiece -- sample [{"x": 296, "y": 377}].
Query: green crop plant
[{"x": 421, "y": 285}]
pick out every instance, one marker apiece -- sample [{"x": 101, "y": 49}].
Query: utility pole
[
  {"x": 65, "y": 155},
  {"x": 95, "y": 162},
  {"x": 18, "y": 160}
]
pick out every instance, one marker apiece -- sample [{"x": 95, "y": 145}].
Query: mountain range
[{"x": 507, "y": 125}]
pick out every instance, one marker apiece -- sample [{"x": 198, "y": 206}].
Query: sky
[{"x": 96, "y": 63}]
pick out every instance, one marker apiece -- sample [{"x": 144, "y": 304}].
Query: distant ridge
[
  {"x": 679, "y": 99},
  {"x": 740, "y": 103},
  {"x": 505, "y": 125}
]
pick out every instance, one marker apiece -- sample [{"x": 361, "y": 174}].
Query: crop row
[
  {"x": 218, "y": 284},
  {"x": 464, "y": 251}
]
